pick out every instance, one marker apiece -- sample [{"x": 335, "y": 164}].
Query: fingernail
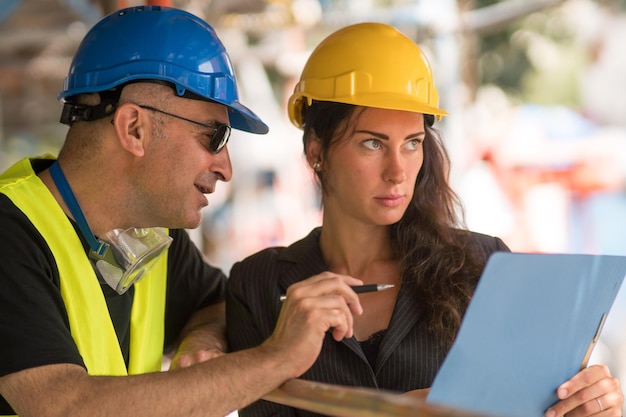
[{"x": 550, "y": 413}]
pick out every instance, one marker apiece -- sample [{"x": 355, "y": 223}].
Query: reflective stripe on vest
[{"x": 89, "y": 319}]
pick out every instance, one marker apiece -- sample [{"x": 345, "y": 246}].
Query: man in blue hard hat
[{"x": 98, "y": 276}]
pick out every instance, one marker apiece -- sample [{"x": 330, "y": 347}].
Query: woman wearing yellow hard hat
[{"x": 367, "y": 102}]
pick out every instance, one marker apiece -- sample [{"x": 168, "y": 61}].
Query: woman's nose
[{"x": 395, "y": 168}]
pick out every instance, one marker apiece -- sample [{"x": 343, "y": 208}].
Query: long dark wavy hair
[{"x": 430, "y": 242}]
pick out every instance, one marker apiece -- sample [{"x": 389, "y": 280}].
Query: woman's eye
[
  {"x": 372, "y": 144},
  {"x": 414, "y": 144}
]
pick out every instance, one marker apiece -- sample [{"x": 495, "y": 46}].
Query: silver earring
[{"x": 316, "y": 166}]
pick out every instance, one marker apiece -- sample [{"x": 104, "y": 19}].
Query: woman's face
[{"x": 371, "y": 171}]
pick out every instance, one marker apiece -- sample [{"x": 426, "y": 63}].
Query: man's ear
[{"x": 131, "y": 126}]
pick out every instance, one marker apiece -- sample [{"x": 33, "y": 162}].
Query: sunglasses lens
[{"x": 220, "y": 138}]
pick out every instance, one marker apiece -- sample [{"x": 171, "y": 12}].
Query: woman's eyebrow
[{"x": 416, "y": 135}]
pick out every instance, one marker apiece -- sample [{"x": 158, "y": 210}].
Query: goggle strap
[
  {"x": 73, "y": 112},
  {"x": 70, "y": 199}
]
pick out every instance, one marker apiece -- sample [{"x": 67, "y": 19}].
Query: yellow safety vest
[{"x": 90, "y": 322}]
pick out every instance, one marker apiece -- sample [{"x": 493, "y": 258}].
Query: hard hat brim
[{"x": 379, "y": 101}]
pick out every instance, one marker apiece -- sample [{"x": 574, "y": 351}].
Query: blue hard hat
[{"x": 160, "y": 44}]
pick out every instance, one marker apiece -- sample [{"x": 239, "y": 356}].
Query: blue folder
[{"x": 530, "y": 326}]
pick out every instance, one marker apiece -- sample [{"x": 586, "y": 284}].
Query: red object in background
[{"x": 121, "y": 4}]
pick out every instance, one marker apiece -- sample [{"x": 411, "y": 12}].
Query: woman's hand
[
  {"x": 310, "y": 309},
  {"x": 592, "y": 391}
]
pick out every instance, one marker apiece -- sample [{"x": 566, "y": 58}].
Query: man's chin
[{"x": 193, "y": 223}]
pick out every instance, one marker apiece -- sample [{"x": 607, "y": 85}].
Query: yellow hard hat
[{"x": 367, "y": 64}]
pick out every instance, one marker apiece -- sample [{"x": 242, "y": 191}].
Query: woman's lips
[{"x": 392, "y": 200}]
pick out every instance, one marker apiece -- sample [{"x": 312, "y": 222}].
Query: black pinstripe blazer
[{"x": 408, "y": 357}]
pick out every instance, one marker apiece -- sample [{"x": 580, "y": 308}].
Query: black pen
[{"x": 359, "y": 289}]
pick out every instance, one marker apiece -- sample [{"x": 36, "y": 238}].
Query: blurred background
[{"x": 536, "y": 90}]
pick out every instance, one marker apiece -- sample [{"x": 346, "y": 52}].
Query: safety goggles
[
  {"x": 221, "y": 134},
  {"x": 122, "y": 257},
  {"x": 125, "y": 256}
]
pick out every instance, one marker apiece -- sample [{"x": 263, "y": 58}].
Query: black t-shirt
[{"x": 34, "y": 327}]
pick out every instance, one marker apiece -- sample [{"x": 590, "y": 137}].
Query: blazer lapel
[
  {"x": 302, "y": 260},
  {"x": 354, "y": 346},
  {"x": 405, "y": 315}
]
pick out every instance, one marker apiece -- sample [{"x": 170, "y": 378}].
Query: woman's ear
[
  {"x": 131, "y": 127},
  {"x": 313, "y": 151}
]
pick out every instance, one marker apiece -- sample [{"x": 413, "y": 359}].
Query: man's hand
[
  {"x": 194, "y": 350},
  {"x": 203, "y": 337}
]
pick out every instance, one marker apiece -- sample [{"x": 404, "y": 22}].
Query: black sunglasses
[{"x": 219, "y": 138}]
